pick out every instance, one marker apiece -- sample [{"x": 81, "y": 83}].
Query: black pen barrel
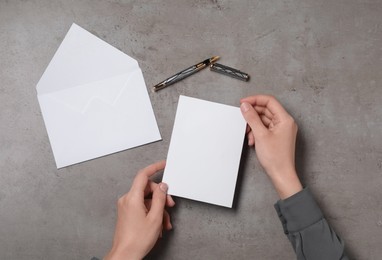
[{"x": 184, "y": 73}]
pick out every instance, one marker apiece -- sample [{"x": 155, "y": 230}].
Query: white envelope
[{"x": 94, "y": 100}]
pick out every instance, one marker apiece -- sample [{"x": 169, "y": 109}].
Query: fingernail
[
  {"x": 163, "y": 187},
  {"x": 244, "y": 107}
]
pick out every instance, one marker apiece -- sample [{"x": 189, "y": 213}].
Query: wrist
[
  {"x": 286, "y": 183},
  {"x": 118, "y": 254}
]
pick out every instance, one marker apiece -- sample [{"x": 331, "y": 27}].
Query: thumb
[
  {"x": 158, "y": 202},
  {"x": 254, "y": 121}
]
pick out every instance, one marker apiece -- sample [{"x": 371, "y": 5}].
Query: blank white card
[{"x": 205, "y": 150}]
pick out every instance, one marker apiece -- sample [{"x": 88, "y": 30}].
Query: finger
[
  {"x": 140, "y": 181},
  {"x": 264, "y": 111},
  {"x": 166, "y": 216},
  {"x": 253, "y": 119},
  {"x": 266, "y": 120},
  {"x": 158, "y": 202},
  {"x": 170, "y": 201},
  {"x": 250, "y": 100},
  {"x": 248, "y": 129},
  {"x": 148, "y": 204},
  {"x": 247, "y": 99},
  {"x": 166, "y": 221},
  {"x": 251, "y": 139},
  {"x": 266, "y": 101},
  {"x": 150, "y": 187}
]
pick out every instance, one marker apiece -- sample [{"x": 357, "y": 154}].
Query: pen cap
[{"x": 231, "y": 72}]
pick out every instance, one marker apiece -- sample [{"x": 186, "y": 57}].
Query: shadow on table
[{"x": 240, "y": 177}]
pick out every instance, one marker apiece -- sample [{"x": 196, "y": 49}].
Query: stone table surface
[{"x": 322, "y": 59}]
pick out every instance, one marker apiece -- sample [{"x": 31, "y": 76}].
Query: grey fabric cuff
[{"x": 298, "y": 211}]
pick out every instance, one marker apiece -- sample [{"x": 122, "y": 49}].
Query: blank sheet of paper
[{"x": 205, "y": 150}]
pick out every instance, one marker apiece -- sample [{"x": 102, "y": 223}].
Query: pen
[
  {"x": 231, "y": 72},
  {"x": 185, "y": 73}
]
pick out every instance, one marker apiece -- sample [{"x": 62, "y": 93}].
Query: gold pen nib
[{"x": 214, "y": 58}]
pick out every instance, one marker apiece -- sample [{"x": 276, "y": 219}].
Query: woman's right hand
[{"x": 273, "y": 133}]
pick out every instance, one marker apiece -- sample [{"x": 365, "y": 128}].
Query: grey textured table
[{"x": 321, "y": 59}]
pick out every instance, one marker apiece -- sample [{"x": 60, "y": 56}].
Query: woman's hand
[
  {"x": 141, "y": 216},
  {"x": 273, "y": 133}
]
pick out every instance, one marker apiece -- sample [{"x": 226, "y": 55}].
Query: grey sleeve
[{"x": 307, "y": 229}]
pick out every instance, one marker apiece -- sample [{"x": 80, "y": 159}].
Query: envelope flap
[
  {"x": 107, "y": 91},
  {"x": 93, "y": 120},
  {"x": 83, "y": 58}
]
